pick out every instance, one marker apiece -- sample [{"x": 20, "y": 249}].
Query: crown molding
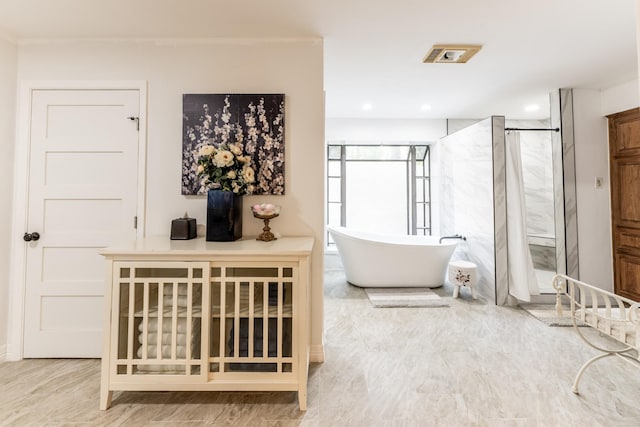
[{"x": 237, "y": 41}]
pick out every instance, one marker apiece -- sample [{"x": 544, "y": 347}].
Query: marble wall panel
[
  {"x": 557, "y": 153},
  {"x": 569, "y": 173},
  {"x": 464, "y": 181},
  {"x": 500, "y": 210}
]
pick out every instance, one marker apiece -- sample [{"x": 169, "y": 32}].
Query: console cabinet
[{"x": 197, "y": 315}]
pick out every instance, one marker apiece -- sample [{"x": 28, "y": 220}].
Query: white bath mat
[{"x": 404, "y": 297}]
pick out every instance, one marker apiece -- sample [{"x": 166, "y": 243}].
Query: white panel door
[{"x": 83, "y": 174}]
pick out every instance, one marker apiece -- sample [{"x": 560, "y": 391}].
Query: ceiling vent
[{"x": 450, "y": 54}]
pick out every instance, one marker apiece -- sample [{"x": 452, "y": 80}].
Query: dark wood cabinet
[{"x": 624, "y": 152}]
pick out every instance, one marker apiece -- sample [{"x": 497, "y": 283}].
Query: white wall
[
  {"x": 385, "y": 130},
  {"x": 592, "y": 160},
  {"x": 638, "y": 38},
  {"x": 8, "y": 70},
  {"x": 620, "y": 98},
  {"x": 593, "y": 205},
  {"x": 294, "y": 68}
]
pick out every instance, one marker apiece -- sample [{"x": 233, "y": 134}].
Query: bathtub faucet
[{"x": 455, "y": 236}]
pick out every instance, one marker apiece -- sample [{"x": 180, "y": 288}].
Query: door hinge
[
  {"x": 135, "y": 222},
  {"x": 137, "y": 120}
]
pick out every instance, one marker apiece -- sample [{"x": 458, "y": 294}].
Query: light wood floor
[{"x": 470, "y": 364}]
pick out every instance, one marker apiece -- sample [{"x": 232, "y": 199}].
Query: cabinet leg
[
  {"x": 105, "y": 398},
  {"x": 302, "y": 399}
]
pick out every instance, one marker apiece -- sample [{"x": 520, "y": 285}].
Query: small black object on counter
[{"x": 183, "y": 228}]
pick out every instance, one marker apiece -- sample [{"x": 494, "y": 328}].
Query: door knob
[{"x": 28, "y": 237}]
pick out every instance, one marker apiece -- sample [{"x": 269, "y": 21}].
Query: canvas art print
[{"x": 253, "y": 123}]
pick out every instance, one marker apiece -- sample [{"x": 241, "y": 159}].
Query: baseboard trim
[
  {"x": 3, "y": 353},
  {"x": 12, "y": 353},
  {"x": 316, "y": 353}
]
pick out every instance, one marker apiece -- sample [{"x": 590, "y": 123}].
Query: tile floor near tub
[{"x": 470, "y": 364}]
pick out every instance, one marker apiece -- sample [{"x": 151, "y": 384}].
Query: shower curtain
[{"x": 522, "y": 277}]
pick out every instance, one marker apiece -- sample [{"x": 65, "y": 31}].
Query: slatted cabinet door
[
  {"x": 159, "y": 308},
  {"x": 252, "y": 321}
]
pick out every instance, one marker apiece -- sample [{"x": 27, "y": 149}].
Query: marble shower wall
[
  {"x": 463, "y": 183},
  {"x": 469, "y": 188},
  {"x": 566, "y": 196}
]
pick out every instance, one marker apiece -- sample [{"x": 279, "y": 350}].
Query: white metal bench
[{"x": 610, "y": 314}]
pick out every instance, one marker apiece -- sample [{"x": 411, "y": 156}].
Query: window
[{"x": 379, "y": 188}]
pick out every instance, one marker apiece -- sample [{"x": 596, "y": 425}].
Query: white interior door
[{"x": 82, "y": 195}]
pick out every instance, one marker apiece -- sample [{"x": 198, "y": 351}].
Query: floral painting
[{"x": 250, "y": 125}]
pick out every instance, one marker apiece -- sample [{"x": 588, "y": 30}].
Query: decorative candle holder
[{"x": 266, "y": 212}]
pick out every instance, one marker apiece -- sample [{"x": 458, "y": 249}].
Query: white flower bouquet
[{"x": 224, "y": 167}]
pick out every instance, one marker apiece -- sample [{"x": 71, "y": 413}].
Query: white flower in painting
[
  {"x": 244, "y": 159},
  {"x": 223, "y": 158},
  {"x": 231, "y": 174},
  {"x": 250, "y": 148},
  {"x": 200, "y": 169},
  {"x": 250, "y": 188},
  {"x": 206, "y": 150},
  {"x": 235, "y": 149},
  {"x": 268, "y": 142},
  {"x": 248, "y": 174}
]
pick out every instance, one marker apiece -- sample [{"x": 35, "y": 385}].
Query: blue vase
[{"x": 224, "y": 216}]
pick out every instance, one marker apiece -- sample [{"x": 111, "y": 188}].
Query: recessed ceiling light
[
  {"x": 367, "y": 107},
  {"x": 425, "y": 107},
  {"x": 532, "y": 107}
]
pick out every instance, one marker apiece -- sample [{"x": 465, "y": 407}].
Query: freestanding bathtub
[{"x": 381, "y": 261}]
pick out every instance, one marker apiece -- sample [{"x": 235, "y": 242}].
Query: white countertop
[{"x": 162, "y": 245}]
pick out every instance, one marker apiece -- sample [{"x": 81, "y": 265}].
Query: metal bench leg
[{"x": 584, "y": 367}]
